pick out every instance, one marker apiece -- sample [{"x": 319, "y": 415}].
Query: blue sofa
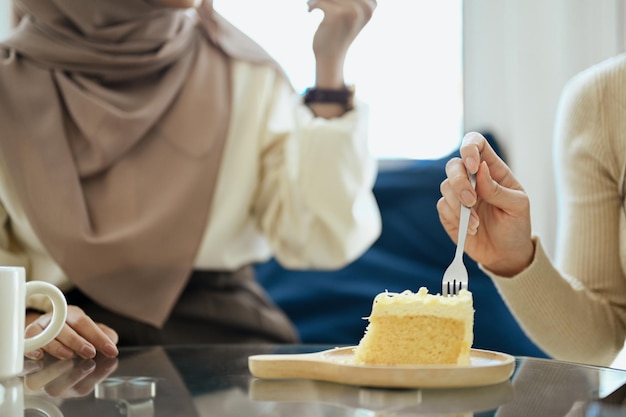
[{"x": 412, "y": 251}]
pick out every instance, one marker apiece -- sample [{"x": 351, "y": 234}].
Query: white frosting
[{"x": 423, "y": 303}]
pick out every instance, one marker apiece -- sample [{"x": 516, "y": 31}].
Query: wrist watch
[{"x": 343, "y": 96}]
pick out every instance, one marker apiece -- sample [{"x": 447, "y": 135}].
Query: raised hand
[
  {"x": 500, "y": 228},
  {"x": 343, "y": 20}
]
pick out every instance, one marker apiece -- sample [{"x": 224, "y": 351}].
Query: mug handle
[{"x": 59, "y": 314}]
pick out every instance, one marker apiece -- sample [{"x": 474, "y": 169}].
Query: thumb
[{"x": 492, "y": 192}]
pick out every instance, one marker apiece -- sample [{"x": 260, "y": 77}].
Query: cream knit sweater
[{"x": 579, "y": 313}]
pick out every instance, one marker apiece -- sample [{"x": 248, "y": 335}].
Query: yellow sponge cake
[{"x": 418, "y": 329}]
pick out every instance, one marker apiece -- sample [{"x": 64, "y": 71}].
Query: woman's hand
[
  {"x": 81, "y": 336},
  {"x": 499, "y": 235},
  {"x": 343, "y": 20}
]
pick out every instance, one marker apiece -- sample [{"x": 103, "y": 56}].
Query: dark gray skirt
[{"x": 215, "y": 307}]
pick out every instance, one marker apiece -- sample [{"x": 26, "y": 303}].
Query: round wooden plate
[{"x": 335, "y": 365}]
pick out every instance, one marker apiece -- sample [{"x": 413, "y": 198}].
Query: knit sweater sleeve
[{"x": 576, "y": 309}]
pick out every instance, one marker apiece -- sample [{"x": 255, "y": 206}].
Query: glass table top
[{"x": 213, "y": 380}]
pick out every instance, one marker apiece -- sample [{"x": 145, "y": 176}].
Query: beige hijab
[{"x": 114, "y": 115}]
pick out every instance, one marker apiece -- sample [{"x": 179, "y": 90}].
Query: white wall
[{"x": 518, "y": 54}]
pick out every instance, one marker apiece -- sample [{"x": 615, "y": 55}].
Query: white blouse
[{"x": 290, "y": 185}]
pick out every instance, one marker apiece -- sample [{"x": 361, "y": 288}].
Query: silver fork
[{"x": 455, "y": 277}]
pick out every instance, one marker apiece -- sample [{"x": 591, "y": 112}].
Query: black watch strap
[{"x": 343, "y": 96}]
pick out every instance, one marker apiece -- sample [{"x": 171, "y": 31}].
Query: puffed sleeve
[{"x": 315, "y": 202}]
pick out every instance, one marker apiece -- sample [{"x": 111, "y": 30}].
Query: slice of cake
[{"x": 418, "y": 329}]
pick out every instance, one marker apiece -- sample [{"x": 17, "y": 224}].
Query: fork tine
[
  {"x": 455, "y": 276},
  {"x": 451, "y": 287}
]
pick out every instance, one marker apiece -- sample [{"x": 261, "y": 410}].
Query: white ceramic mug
[
  {"x": 13, "y": 402},
  {"x": 14, "y": 291}
]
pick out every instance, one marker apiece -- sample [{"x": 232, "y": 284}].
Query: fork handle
[
  {"x": 463, "y": 225},
  {"x": 464, "y": 222}
]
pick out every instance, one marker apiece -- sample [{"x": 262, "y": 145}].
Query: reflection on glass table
[
  {"x": 214, "y": 380},
  {"x": 400, "y": 401},
  {"x": 133, "y": 396}
]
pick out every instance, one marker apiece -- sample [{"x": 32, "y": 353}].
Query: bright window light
[
  {"x": 406, "y": 64},
  {"x": 5, "y": 18}
]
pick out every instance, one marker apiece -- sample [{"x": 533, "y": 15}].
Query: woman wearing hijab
[{"x": 151, "y": 153}]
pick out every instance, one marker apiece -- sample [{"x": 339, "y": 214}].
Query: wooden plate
[{"x": 335, "y": 365}]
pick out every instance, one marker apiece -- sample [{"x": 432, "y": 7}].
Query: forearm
[
  {"x": 560, "y": 315},
  {"x": 329, "y": 76},
  {"x": 341, "y": 24}
]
